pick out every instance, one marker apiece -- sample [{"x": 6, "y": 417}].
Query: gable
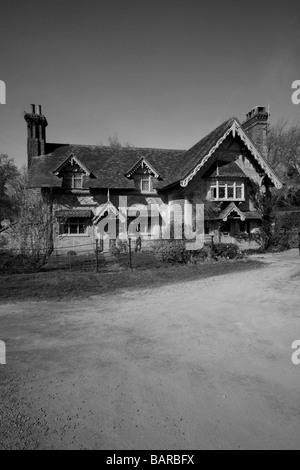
[
  {"x": 232, "y": 208},
  {"x": 142, "y": 167},
  {"x": 71, "y": 163},
  {"x": 201, "y": 153},
  {"x": 110, "y": 209}
]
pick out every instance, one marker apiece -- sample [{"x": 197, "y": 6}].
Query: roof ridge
[
  {"x": 213, "y": 131},
  {"x": 224, "y": 126},
  {"x": 121, "y": 148}
]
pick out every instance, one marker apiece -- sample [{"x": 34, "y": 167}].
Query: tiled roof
[
  {"x": 85, "y": 213},
  {"x": 195, "y": 154},
  {"x": 252, "y": 215},
  {"x": 229, "y": 170},
  {"x": 107, "y": 164}
]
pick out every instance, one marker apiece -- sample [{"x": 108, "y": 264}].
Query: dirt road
[{"x": 199, "y": 365}]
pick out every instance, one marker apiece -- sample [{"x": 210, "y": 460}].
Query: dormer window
[
  {"x": 73, "y": 180},
  {"x": 144, "y": 175},
  {"x": 72, "y": 171},
  {"x": 146, "y": 184}
]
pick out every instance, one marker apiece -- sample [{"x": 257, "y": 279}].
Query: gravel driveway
[{"x": 198, "y": 365}]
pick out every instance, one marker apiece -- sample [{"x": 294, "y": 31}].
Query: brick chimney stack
[
  {"x": 256, "y": 127},
  {"x": 36, "y": 132}
]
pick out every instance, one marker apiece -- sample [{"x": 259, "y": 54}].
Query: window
[
  {"x": 73, "y": 180},
  {"x": 227, "y": 191},
  {"x": 146, "y": 184},
  {"x": 239, "y": 191},
  {"x": 74, "y": 226}
]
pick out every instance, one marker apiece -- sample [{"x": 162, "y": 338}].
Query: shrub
[
  {"x": 226, "y": 250},
  {"x": 171, "y": 252},
  {"x": 199, "y": 256},
  {"x": 18, "y": 264},
  {"x": 260, "y": 237},
  {"x": 285, "y": 231},
  {"x": 280, "y": 242},
  {"x": 176, "y": 252}
]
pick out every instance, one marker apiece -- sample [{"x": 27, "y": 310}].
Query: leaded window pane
[
  {"x": 222, "y": 192},
  {"x": 230, "y": 192},
  {"x": 145, "y": 184},
  {"x": 77, "y": 182},
  {"x": 82, "y": 228},
  {"x": 239, "y": 192}
]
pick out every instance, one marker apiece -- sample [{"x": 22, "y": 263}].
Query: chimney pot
[{"x": 36, "y": 132}]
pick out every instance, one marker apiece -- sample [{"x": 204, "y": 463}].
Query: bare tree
[
  {"x": 116, "y": 144},
  {"x": 284, "y": 157},
  {"x": 30, "y": 233},
  {"x": 34, "y": 231},
  {"x": 9, "y": 173}
]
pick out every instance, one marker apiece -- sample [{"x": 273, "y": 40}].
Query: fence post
[
  {"x": 97, "y": 258},
  {"x": 212, "y": 246},
  {"x": 130, "y": 259}
]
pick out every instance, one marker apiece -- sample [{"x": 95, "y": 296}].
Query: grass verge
[{"x": 65, "y": 285}]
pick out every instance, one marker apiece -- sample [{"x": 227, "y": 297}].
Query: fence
[
  {"x": 92, "y": 258},
  {"x": 88, "y": 257},
  {"x": 67, "y": 258}
]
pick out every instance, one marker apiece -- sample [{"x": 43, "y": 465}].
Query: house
[{"x": 87, "y": 182}]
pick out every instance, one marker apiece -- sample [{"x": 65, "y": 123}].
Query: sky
[{"x": 158, "y": 73}]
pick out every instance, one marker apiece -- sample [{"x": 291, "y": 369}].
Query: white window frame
[
  {"x": 72, "y": 177},
  {"x": 216, "y": 185},
  {"x": 147, "y": 178},
  {"x": 67, "y": 223}
]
